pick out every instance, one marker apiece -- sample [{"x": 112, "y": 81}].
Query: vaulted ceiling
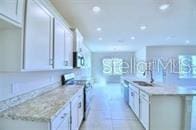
[{"x": 120, "y": 21}]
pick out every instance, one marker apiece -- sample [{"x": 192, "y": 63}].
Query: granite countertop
[
  {"x": 43, "y": 108},
  {"x": 161, "y": 89}
]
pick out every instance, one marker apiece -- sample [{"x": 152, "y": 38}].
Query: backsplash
[{"x": 27, "y": 96}]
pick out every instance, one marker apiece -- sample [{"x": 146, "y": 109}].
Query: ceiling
[{"x": 121, "y": 19}]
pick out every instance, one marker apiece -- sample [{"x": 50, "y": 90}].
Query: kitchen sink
[{"x": 143, "y": 83}]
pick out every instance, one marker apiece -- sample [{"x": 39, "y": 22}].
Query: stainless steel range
[{"x": 69, "y": 79}]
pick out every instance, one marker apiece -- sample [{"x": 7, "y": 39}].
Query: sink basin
[{"x": 143, "y": 83}]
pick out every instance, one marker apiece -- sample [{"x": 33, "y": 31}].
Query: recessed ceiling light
[
  {"x": 96, "y": 9},
  {"x": 164, "y": 7},
  {"x": 100, "y": 38},
  {"x": 132, "y": 38},
  {"x": 99, "y": 29},
  {"x": 143, "y": 27},
  {"x": 187, "y": 41}
]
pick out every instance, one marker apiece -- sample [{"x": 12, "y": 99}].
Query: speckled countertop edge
[
  {"x": 43, "y": 108},
  {"x": 162, "y": 90}
]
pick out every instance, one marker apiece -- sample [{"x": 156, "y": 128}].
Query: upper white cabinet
[
  {"x": 12, "y": 10},
  {"x": 43, "y": 42},
  {"x": 69, "y": 49},
  {"x": 59, "y": 45},
  {"x": 38, "y": 48},
  {"x": 63, "y": 44},
  {"x": 78, "y": 40}
]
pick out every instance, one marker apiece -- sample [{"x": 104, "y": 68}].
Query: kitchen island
[{"x": 160, "y": 107}]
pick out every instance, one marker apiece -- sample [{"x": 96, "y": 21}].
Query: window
[
  {"x": 187, "y": 66},
  {"x": 112, "y": 66}
]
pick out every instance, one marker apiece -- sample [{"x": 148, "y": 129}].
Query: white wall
[
  {"x": 13, "y": 84},
  {"x": 165, "y": 53},
  {"x": 97, "y": 67}
]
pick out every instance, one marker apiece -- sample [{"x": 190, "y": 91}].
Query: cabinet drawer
[
  {"x": 60, "y": 117},
  {"x": 144, "y": 96}
]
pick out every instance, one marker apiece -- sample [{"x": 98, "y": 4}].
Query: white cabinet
[
  {"x": 131, "y": 97},
  {"x": 68, "y": 48},
  {"x": 59, "y": 45},
  {"x": 62, "y": 120},
  {"x": 74, "y": 114},
  {"x": 144, "y": 110},
  {"x": 38, "y": 48},
  {"x": 134, "y": 99},
  {"x": 78, "y": 40},
  {"x": 63, "y": 44},
  {"x": 12, "y": 10},
  {"x": 77, "y": 111},
  {"x": 80, "y": 108},
  {"x": 65, "y": 125}
]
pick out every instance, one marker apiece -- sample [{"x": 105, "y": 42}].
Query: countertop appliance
[
  {"x": 125, "y": 90},
  {"x": 69, "y": 79}
]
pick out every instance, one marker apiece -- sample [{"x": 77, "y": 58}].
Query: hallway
[{"x": 109, "y": 112}]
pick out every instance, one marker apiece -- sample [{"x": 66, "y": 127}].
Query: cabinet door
[
  {"x": 131, "y": 93},
  {"x": 136, "y": 104},
  {"x": 144, "y": 113},
  {"x": 74, "y": 114},
  {"x": 12, "y": 9},
  {"x": 65, "y": 125},
  {"x": 69, "y": 49},
  {"x": 38, "y": 38},
  {"x": 80, "y": 110},
  {"x": 59, "y": 43}
]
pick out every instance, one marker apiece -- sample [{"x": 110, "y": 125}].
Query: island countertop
[
  {"x": 161, "y": 89},
  {"x": 43, "y": 108}
]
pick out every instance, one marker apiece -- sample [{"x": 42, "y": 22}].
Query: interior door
[
  {"x": 59, "y": 46},
  {"x": 38, "y": 37}
]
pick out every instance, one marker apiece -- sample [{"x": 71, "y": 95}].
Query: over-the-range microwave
[{"x": 78, "y": 60}]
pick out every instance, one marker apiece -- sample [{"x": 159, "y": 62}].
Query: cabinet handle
[
  {"x": 50, "y": 61},
  {"x": 80, "y": 105},
  {"x": 64, "y": 115},
  {"x": 66, "y": 63},
  {"x": 132, "y": 93}
]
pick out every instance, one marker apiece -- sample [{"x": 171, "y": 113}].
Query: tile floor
[{"x": 109, "y": 112}]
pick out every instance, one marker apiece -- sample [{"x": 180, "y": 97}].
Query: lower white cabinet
[
  {"x": 70, "y": 117},
  {"x": 77, "y": 111},
  {"x": 144, "y": 110},
  {"x": 62, "y": 121},
  {"x": 134, "y": 99}
]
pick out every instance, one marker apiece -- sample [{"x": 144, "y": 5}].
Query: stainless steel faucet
[{"x": 151, "y": 76}]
